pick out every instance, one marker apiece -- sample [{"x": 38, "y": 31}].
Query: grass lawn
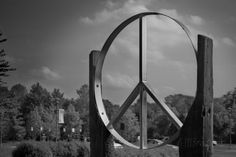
[
  {"x": 165, "y": 151},
  {"x": 224, "y": 151},
  {"x": 7, "y": 148}
]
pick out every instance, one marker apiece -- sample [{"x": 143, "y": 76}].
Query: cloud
[
  {"x": 197, "y": 20},
  {"x": 86, "y": 20},
  {"x": 120, "y": 80},
  {"x": 193, "y": 19},
  {"x": 110, "y": 4},
  {"x": 128, "y": 45},
  {"x": 46, "y": 73},
  {"x": 172, "y": 13},
  {"x": 169, "y": 89},
  {"x": 162, "y": 32},
  {"x": 181, "y": 67},
  {"x": 228, "y": 41},
  {"x": 129, "y": 8},
  {"x": 49, "y": 74}
]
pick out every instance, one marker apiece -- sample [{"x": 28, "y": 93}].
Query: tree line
[{"x": 33, "y": 114}]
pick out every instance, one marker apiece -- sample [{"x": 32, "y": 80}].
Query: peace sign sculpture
[{"x": 141, "y": 89}]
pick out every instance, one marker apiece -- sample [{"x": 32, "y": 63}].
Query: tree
[
  {"x": 110, "y": 108},
  {"x": 17, "y": 130},
  {"x": 72, "y": 122},
  {"x": 128, "y": 125},
  {"x": 58, "y": 102},
  {"x": 19, "y": 92},
  {"x": 11, "y": 119},
  {"x": 33, "y": 124},
  {"x": 37, "y": 97},
  {"x": 4, "y": 92},
  {"x": 39, "y": 101},
  {"x": 180, "y": 103},
  {"x": 83, "y": 100},
  {"x": 4, "y": 65},
  {"x": 220, "y": 121},
  {"x": 81, "y": 104},
  {"x": 229, "y": 101},
  {"x": 158, "y": 123},
  {"x": 57, "y": 99}
]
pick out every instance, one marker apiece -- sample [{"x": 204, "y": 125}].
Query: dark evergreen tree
[
  {"x": 11, "y": 118},
  {"x": 4, "y": 65}
]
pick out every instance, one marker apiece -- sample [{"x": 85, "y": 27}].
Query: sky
[{"x": 49, "y": 41}]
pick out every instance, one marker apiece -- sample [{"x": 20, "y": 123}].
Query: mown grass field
[
  {"x": 224, "y": 151},
  {"x": 219, "y": 151},
  {"x": 7, "y": 148}
]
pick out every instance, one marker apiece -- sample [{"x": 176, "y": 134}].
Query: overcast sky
[{"x": 49, "y": 41}]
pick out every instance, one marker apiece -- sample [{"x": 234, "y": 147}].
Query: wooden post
[
  {"x": 100, "y": 138},
  {"x": 197, "y": 132}
]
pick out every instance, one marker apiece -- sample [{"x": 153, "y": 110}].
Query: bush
[
  {"x": 63, "y": 149},
  {"x": 82, "y": 149},
  {"x": 32, "y": 149},
  {"x": 69, "y": 149},
  {"x": 49, "y": 149}
]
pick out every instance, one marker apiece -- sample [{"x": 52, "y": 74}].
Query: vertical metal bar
[
  {"x": 143, "y": 120},
  {"x": 143, "y": 78},
  {"x": 142, "y": 49}
]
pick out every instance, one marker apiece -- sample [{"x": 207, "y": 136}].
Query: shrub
[
  {"x": 32, "y": 149},
  {"x": 69, "y": 149},
  {"x": 49, "y": 149},
  {"x": 63, "y": 149},
  {"x": 82, "y": 149}
]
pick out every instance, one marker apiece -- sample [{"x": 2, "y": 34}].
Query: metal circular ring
[{"x": 98, "y": 74}]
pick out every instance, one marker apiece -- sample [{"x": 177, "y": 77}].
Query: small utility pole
[{"x": 57, "y": 116}]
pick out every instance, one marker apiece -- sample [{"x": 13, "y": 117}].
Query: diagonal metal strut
[
  {"x": 124, "y": 106},
  {"x": 163, "y": 106}
]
